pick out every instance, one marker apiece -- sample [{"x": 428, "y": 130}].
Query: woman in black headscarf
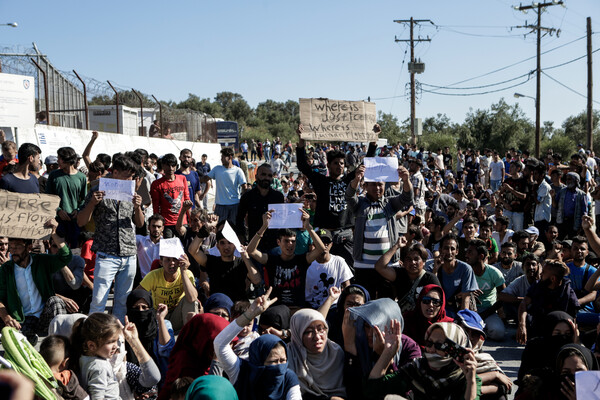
[
  {"x": 155, "y": 332},
  {"x": 540, "y": 352}
]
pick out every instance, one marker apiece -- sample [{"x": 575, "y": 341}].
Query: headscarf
[
  {"x": 452, "y": 332},
  {"x": 584, "y": 353},
  {"x": 257, "y": 381},
  {"x": 193, "y": 351},
  {"x": 211, "y": 387},
  {"x": 374, "y": 313},
  {"x": 336, "y": 318},
  {"x": 62, "y": 324},
  {"x": 416, "y": 323},
  {"x": 218, "y": 300},
  {"x": 277, "y": 317},
  {"x": 145, "y": 321},
  {"x": 554, "y": 318},
  {"x": 319, "y": 374}
]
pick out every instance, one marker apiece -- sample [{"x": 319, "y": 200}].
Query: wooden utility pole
[
  {"x": 538, "y": 86},
  {"x": 590, "y": 108},
  {"x": 412, "y": 41}
]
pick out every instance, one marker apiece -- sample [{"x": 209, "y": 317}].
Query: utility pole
[
  {"x": 590, "y": 108},
  {"x": 538, "y": 27},
  {"x": 412, "y": 41}
]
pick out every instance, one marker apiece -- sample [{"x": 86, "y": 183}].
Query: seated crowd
[{"x": 387, "y": 288}]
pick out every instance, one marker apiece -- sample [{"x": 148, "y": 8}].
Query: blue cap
[{"x": 472, "y": 320}]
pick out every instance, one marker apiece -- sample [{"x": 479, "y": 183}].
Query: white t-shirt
[
  {"x": 496, "y": 237},
  {"x": 496, "y": 170},
  {"x": 320, "y": 277}
]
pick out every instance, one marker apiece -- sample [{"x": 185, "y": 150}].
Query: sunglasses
[
  {"x": 436, "y": 345},
  {"x": 430, "y": 300}
]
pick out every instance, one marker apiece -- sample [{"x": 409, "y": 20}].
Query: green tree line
[{"x": 500, "y": 127}]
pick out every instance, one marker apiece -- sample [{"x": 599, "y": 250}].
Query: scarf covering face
[
  {"x": 145, "y": 321},
  {"x": 211, "y": 387},
  {"x": 218, "y": 300},
  {"x": 277, "y": 317},
  {"x": 452, "y": 332},
  {"x": 417, "y": 324},
  {"x": 374, "y": 313},
  {"x": 319, "y": 374},
  {"x": 257, "y": 381},
  {"x": 193, "y": 351}
]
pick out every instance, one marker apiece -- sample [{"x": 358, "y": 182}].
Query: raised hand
[
  {"x": 334, "y": 293},
  {"x": 162, "y": 311},
  {"x": 97, "y": 197},
  {"x": 260, "y": 304},
  {"x": 130, "y": 330}
]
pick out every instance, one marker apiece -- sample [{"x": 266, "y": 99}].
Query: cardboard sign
[
  {"x": 338, "y": 120},
  {"x": 381, "y": 169},
  {"x": 229, "y": 234},
  {"x": 171, "y": 248},
  {"x": 117, "y": 189},
  {"x": 285, "y": 216},
  {"x": 587, "y": 385},
  {"x": 23, "y": 216}
]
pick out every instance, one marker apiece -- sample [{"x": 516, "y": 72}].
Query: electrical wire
[
  {"x": 479, "y": 35},
  {"x": 479, "y": 93},
  {"x": 399, "y": 75},
  {"x": 476, "y": 87},
  {"x": 568, "y": 88}
]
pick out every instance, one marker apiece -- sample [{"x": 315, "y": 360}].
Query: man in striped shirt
[{"x": 376, "y": 229}]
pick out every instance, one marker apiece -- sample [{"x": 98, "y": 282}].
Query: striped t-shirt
[{"x": 376, "y": 240}]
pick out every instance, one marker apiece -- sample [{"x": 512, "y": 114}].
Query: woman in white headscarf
[
  {"x": 440, "y": 374},
  {"x": 318, "y": 361}
]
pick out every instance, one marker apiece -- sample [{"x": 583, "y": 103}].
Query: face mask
[
  {"x": 571, "y": 185},
  {"x": 436, "y": 361}
]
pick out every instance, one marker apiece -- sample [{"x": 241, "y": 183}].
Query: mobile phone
[{"x": 455, "y": 350}]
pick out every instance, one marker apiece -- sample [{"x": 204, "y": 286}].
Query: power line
[
  {"x": 569, "y": 62},
  {"x": 568, "y": 88},
  {"x": 476, "y": 87},
  {"x": 479, "y": 93},
  {"x": 479, "y": 34}
]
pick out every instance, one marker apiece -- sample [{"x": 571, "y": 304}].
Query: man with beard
[
  {"x": 507, "y": 265},
  {"x": 229, "y": 181},
  {"x": 148, "y": 246},
  {"x": 457, "y": 277},
  {"x": 254, "y": 203},
  {"x": 193, "y": 180},
  {"x": 418, "y": 184},
  {"x": 552, "y": 293},
  {"x": 580, "y": 272},
  {"x": 490, "y": 283},
  {"x": 516, "y": 291},
  {"x": 22, "y": 180},
  {"x": 571, "y": 205}
]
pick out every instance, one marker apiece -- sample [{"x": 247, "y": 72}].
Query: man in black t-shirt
[
  {"x": 332, "y": 212},
  {"x": 254, "y": 203},
  {"x": 286, "y": 273},
  {"x": 226, "y": 273}
]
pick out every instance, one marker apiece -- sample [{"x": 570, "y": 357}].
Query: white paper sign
[
  {"x": 285, "y": 216},
  {"x": 117, "y": 189},
  {"x": 171, "y": 248},
  {"x": 381, "y": 169},
  {"x": 587, "y": 385},
  {"x": 229, "y": 234}
]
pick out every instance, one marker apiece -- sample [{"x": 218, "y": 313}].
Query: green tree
[
  {"x": 576, "y": 128},
  {"x": 194, "y": 102},
  {"x": 390, "y": 129},
  {"x": 234, "y": 107}
]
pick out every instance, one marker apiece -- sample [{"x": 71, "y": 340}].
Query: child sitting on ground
[{"x": 55, "y": 351}]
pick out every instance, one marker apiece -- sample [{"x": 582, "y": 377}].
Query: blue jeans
[
  {"x": 515, "y": 219},
  {"x": 495, "y": 185},
  {"x": 122, "y": 270}
]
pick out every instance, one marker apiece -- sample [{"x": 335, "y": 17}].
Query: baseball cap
[
  {"x": 324, "y": 235},
  {"x": 472, "y": 320},
  {"x": 532, "y": 230},
  {"x": 51, "y": 160}
]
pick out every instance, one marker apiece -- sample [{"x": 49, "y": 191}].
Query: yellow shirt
[{"x": 169, "y": 293}]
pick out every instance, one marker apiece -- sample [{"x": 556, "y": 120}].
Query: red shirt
[
  {"x": 90, "y": 258},
  {"x": 168, "y": 197}
]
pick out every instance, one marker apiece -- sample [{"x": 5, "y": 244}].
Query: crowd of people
[{"x": 387, "y": 288}]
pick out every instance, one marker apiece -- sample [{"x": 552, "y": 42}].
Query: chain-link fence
[{"x": 66, "y": 101}]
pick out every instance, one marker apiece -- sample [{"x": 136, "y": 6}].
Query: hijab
[
  {"x": 319, "y": 374},
  {"x": 584, "y": 353},
  {"x": 257, "y": 381},
  {"x": 416, "y": 323},
  {"x": 193, "y": 351},
  {"x": 451, "y": 331},
  {"x": 211, "y": 387},
  {"x": 336, "y": 317},
  {"x": 145, "y": 321},
  {"x": 277, "y": 317},
  {"x": 374, "y": 313},
  {"x": 218, "y": 300}
]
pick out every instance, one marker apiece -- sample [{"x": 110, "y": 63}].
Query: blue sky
[{"x": 284, "y": 50}]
